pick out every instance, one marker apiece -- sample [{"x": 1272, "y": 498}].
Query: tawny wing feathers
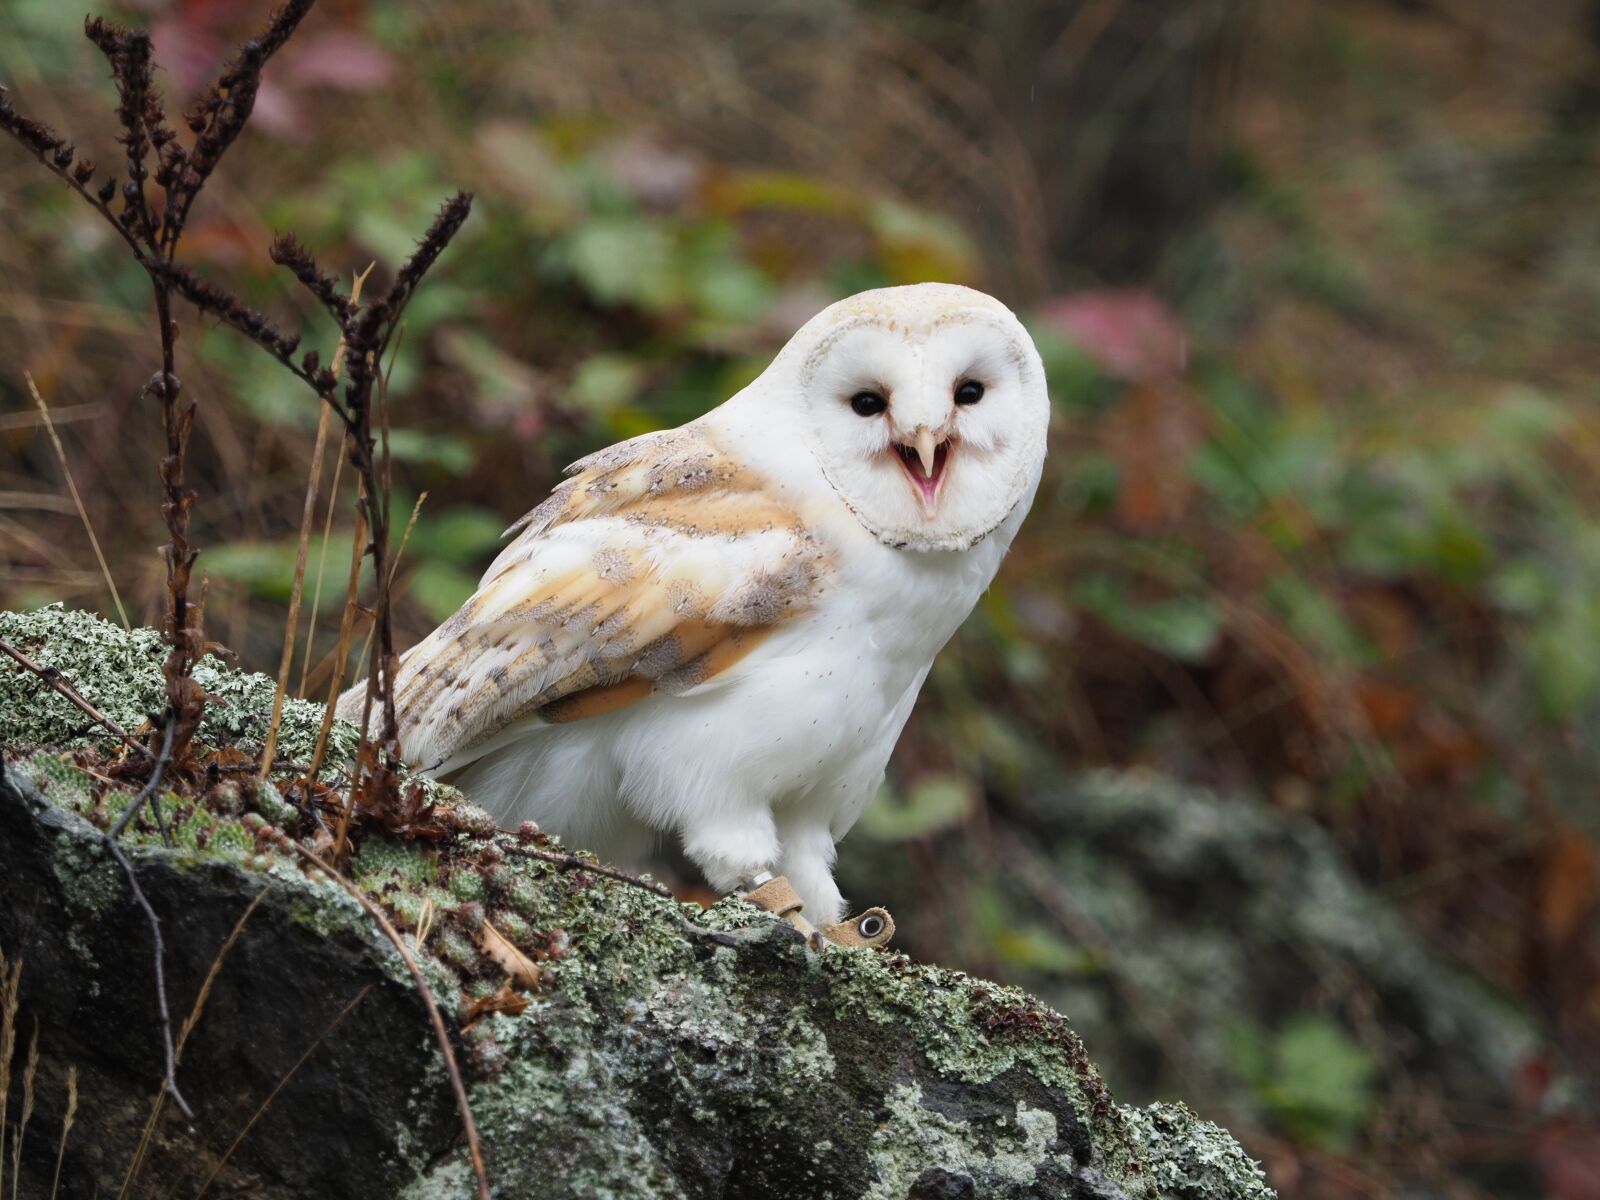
[{"x": 657, "y": 565}]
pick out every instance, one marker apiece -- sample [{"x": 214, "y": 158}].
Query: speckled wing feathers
[{"x": 656, "y": 566}]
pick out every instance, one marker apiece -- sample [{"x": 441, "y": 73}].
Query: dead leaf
[
  {"x": 505, "y": 1001},
  {"x": 507, "y": 957},
  {"x": 1568, "y": 887}
]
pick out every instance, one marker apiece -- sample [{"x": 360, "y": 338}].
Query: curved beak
[
  {"x": 923, "y": 459},
  {"x": 926, "y": 444}
]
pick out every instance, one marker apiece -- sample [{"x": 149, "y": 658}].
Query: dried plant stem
[
  {"x": 281, "y": 1084},
  {"x": 29, "y": 1074},
  {"x": 571, "y": 862},
  {"x": 292, "y": 624},
  {"x": 394, "y": 569},
  {"x": 405, "y": 537},
  {"x": 63, "y": 685},
  {"x": 307, "y": 516},
  {"x": 136, "y": 1164},
  {"x": 10, "y": 997},
  {"x": 110, "y": 839},
  {"x": 474, "y": 1149},
  {"x": 66, "y": 1128},
  {"x": 341, "y": 656},
  {"x": 154, "y": 156},
  {"x": 322, "y": 565},
  {"x": 83, "y": 513}
]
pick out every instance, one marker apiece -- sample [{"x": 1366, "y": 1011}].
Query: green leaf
[
  {"x": 463, "y": 535},
  {"x": 1313, "y": 1077},
  {"x": 267, "y": 568},
  {"x": 453, "y": 454},
  {"x": 604, "y": 383},
  {"x": 1038, "y": 949},
  {"x": 1187, "y": 627},
  {"x": 621, "y": 260},
  {"x": 440, "y": 588},
  {"x": 935, "y": 802}
]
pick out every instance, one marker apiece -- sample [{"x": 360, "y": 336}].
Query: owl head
[{"x": 925, "y": 407}]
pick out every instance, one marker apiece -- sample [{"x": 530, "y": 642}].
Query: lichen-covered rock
[
  {"x": 119, "y": 672},
  {"x": 665, "y": 1052}
]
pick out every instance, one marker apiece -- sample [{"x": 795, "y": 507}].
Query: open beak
[{"x": 924, "y": 460}]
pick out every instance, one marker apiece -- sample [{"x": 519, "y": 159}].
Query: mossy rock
[{"x": 666, "y": 1051}]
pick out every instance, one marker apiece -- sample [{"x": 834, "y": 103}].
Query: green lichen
[
  {"x": 385, "y": 860},
  {"x": 269, "y": 802},
  {"x": 119, "y": 672},
  {"x": 1187, "y": 1158},
  {"x": 467, "y": 885},
  {"x": 916, "y": 1135},
  {"x": 666, "y": 1050}
]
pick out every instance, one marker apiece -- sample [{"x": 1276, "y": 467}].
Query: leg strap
[{"x": 871, "y": 929}]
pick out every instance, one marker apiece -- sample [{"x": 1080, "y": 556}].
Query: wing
[{"x": 655, "y": 567}]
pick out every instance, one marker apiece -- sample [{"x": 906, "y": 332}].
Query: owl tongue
[{"x": 925, "y": 481}]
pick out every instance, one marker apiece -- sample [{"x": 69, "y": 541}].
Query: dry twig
[
  {"x": 110, "y": 839},
  {"x": 63, "y": 685},
  {"x": 571, "y": 862}
]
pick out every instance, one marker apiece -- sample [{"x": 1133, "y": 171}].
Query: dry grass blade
[
  {"x": 62, "y": 416},
  {"x": 28, "y": 1076},
  {"x": 474, "y": 1148},
  {"x": 322, "y": 567},
  {"x": 405, "y": 537},
  {"x": 83, "y": 513},
  {"x": 10, "y": 995},
  {"x": 136, "y": 1164},
  {"x": 292, "y": 624},
  {"x": 425, "y": 921},
  {"x": 307, "y": 516},
  {"x": 342, "y": 655},
  {"x": 394, "y": 569},
  {"x": 66, "y": 1128},
  {"x": 281, "y": 1084}
]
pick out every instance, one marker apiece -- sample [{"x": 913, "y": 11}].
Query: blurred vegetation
[{"x": 1315, "y": 284}]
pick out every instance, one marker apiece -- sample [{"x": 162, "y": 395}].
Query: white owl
[{"x": 717, "y": 632}]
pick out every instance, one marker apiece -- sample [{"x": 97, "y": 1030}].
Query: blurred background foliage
[{"x": 1270, "y": 756}]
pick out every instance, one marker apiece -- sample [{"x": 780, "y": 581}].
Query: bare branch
[
  {"x": 110, "y": 840},
  {"x": 65, "y": 687}
]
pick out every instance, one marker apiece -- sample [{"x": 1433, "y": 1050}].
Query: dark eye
[
  {"x": 969, "y": 392},
  {"x": 868, "y": 404}
]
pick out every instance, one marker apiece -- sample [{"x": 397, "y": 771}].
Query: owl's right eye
[{"x": 868, "y": 404}]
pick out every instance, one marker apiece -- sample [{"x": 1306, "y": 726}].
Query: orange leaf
[
  {"x": 512, "y": 961},
  {"x": 504, "y": 1001},
  {"x": 1568, "y": 886}
]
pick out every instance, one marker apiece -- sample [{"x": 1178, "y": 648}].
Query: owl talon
[{"x": 871, "y": 929}]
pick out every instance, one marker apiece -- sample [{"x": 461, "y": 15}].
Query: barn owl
[{"x": 716, "y": 632}]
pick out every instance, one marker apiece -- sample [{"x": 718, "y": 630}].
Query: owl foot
[{"x": 871, "y": 929}]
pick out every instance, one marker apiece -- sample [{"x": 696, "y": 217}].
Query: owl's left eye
[
  {"x": 970, "y": 391},
  {"x": 868, "y": 404}
]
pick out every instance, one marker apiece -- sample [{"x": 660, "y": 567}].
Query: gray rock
[{"x": 666, "y": 1052}]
